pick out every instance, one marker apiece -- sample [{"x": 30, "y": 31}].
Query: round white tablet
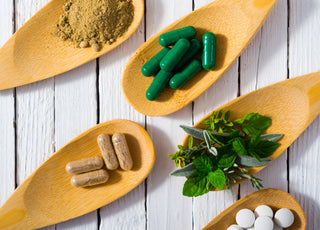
[
  {"x": 252, "y": 228},
  {"x": 263, "y": 223},
  {"x": 245, "y": 218},
  {"x": 234, "y": 227},
  {"x": 284, "y": 218},
  {"x": 263, "y": 210}
]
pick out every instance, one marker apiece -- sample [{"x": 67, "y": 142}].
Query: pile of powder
[{"x": 94, "y": 22}]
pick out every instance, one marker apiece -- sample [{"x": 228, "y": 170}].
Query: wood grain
[
  {"x": 128, "y": 211},
  {"x": 206, "y": 207},
  {"x": 262, "y": 64},
  {"x": 7, "y": 133},
  {"x": 166, "y": 207},
  {"x": 304, "y": 158},
  {"x": 75, "y": 112}
]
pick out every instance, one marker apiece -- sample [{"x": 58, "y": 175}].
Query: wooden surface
[{"x": 39, "y": 118}]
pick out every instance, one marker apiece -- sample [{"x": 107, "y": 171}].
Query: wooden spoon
[
  {"x": 47, "y": 196},
  {"x": 235, "y": 23},
  {"x": 274, "y": 198},
  {"x": 292, "y": 104},
  {"x": 35, "y": 53}
]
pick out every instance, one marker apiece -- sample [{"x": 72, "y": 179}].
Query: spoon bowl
[
  {"x": 35, "y": 53},
  {"x": 291, "y": 104},
  {"x": 47, "y": 196},
  {"x": 235, "y": 23},
  {"x": 274, "y": 198}
]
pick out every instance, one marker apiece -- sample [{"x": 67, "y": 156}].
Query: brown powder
[{"x": 94, "y": 22}]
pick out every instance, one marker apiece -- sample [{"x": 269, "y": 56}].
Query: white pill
[
  {"x": 245, "y": 218},
  {"x": 263, "y": 223},
  {"x": 252, "y": 228},
  {"x": 284, "y": 218},
  {"x": 234, "y": 227},
  {"x": 263, "y": 210}
]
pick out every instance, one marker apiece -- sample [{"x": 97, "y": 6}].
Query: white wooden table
[{"x": 38, "y": 119}]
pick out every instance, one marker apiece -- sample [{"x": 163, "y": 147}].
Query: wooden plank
[
  {"x": 166, "y": 207},
  {"x": 225, "y": 89},
  {"x": 265, "y": 62},
  {"x": 304, "y": 50},
  {"x": 75, "y": 112},
  {"x": 34, "y": 110},
  {"x": 129, "y": 211},
  {"x": 7, "y": 134}
]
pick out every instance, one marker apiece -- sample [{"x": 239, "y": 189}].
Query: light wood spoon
[
  {"x": 235, "y": 23},
  {"x": 47, "y": 196},
  {"x": 291, "y": 104},
  {"x": 274, "y": 198},
  {"x": 35, "y": 53}
]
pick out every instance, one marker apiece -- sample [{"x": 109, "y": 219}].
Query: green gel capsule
[
  {"x": 172, "y": 37},
  {"x": 209, "y": 50},
  {"x": 159, "y": 82},
  {"x": 195, "y": 47},
  {"x": 188, "y": 72},
  {"x": 153, "y": 65},
  {"x": 173, "y": 57}
]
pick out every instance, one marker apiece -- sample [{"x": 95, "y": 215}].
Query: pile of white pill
[{"x": 262, "y": 219}]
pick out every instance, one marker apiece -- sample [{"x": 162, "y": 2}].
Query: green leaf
[
  {"x": 195, "y": 185},
  {"x": 271, "y": 137},
  {"x": 265, "y": 148},
  {"x": 194, "y": 132},
  {"x": 252, "y": 162},
  {"x": 185, "y": 171},
  {"x": 190, "y": 142},
  {"x": 203, "y": 164},
  {"x": 227, "y": 115},
  {"x": 217, "y": 178},
  {"x": 220, "y": 112},
  {"x": 227, "y": 160},
  {"x": 253, "y": 123},
  {"x": 252, "y": 145},
  {"x": 207, "y": 138},
  {"x": 239, "y": 146}
]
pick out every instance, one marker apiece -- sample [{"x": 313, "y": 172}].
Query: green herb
[{"x": 225, "y": 149}]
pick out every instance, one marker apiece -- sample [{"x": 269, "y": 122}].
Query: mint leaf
[
  {"x": 203, "y": 164},
  {"x": 253, "y": 123},
  {"x": 196, "y": 185},
  {"x": 227, "y": 160},
  {"x": 239, "y": 146},
  {"x": 265, "y": 148},
  {"x": 217, "y": 178},
  {"x": 252, "y": 145},
  {"x": 185, "y": 171}
]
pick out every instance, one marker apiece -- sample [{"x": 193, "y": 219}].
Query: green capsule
[
  {"x": 153, "y": 65},
  {"x": 159, "y": 82},
  {"x": 195, "y": 47},
  {"x": 172, "y": 37},
  {"x": 209, "y": 50},
  {"x": 173, "y": 57},
  {"x": 188, "y": 72}
]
